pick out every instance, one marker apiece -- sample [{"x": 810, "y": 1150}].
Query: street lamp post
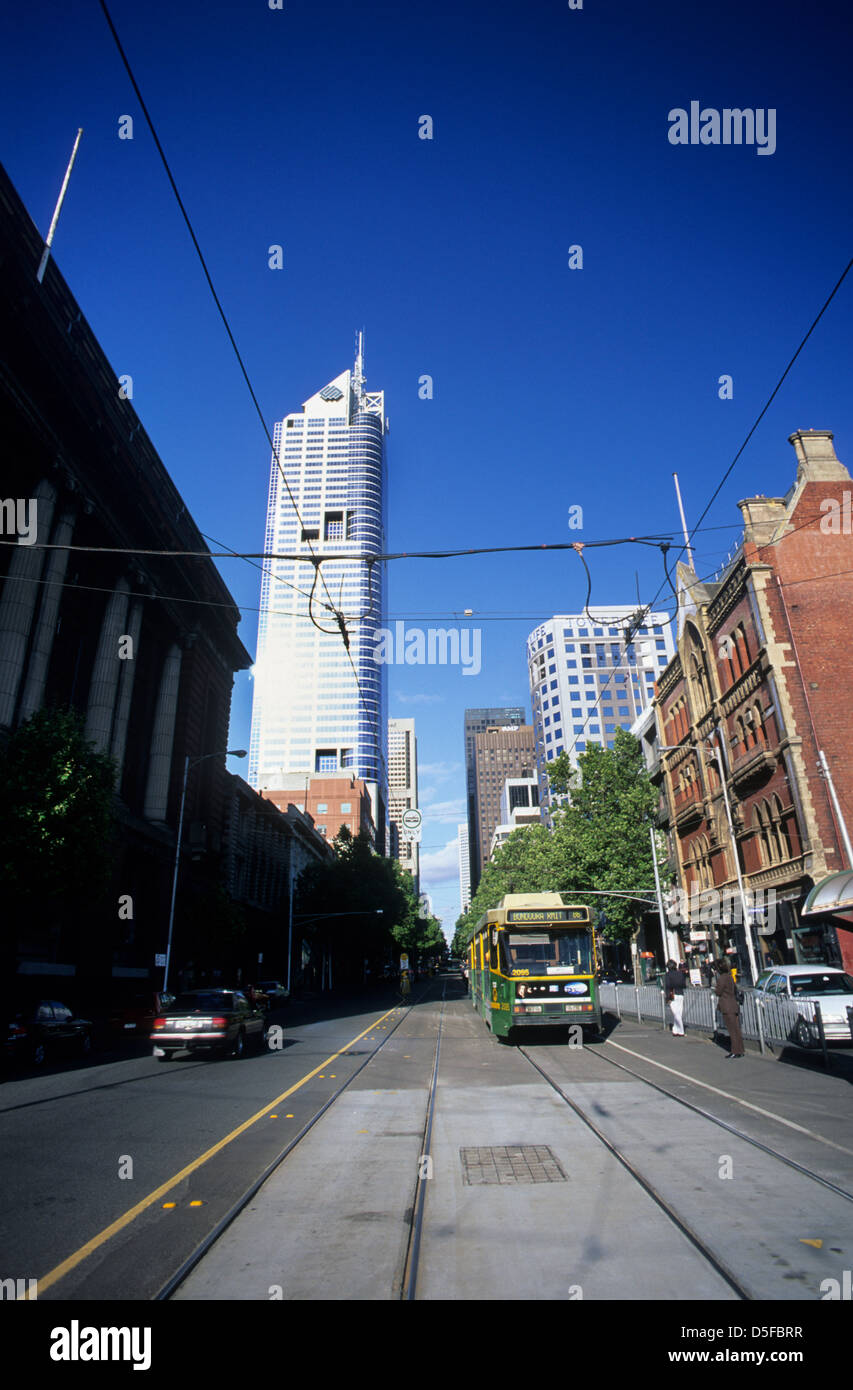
[{"x": 188, "y": 763}]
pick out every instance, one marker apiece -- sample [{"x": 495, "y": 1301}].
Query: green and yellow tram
[{"x": 533, "y": 962}]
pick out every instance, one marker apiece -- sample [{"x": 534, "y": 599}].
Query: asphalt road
[
  {"x": 68, "y": 1136},
  {"x": 116, "y": 1170}
]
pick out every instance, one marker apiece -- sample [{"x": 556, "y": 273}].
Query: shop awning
[{"x": 832, "y": 894}]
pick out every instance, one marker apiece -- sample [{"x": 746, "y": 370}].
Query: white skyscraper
[
  {"x": 403, "y": 791},
  {"x": 318, "y": 707},
  {"x": 587, "y": 680},
  {"x": 464, "y": 869}
]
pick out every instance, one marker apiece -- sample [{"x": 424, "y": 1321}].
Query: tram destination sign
[{"x": 547, "y": 914}]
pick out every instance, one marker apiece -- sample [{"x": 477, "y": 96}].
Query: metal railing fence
[{"x": 763, "y": 1018}]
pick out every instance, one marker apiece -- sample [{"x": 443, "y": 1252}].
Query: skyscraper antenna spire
[{"x": 358, "y": 370}]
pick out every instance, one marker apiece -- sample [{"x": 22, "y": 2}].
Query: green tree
[
  {"x": 601, "y": 835},
  {"x": 360, "y": 902},
  {"x": 524, "y": 864},
  {"x": 600, "y": 840},
  {"x": 56, "y": 813}
]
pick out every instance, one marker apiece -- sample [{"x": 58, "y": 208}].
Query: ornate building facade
[{"x": 755, "y": 697}]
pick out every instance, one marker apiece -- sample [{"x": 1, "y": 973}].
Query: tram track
[
  {"x": 184, "y": 1270},
  {"x": 404, "y": 1285},
  {"x": 678, "y": 1221},
  {"x": 408, "y": 1285},
  {"x": 730, "y": 1128}
]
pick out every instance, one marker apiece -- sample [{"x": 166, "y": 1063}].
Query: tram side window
[{"x": 493, "y": 951}]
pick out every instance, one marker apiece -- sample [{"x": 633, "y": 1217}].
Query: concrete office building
[
  {"x": 499, "y": 753},
  {"x": 464, "y": 870},
  {"x": 519, "y": 807},
  {"x": 403, "y": 792},
  {"x": 320, "y": 707},
  {"x": 590, "y": 674},
  {"x": 476, "y": 722}
]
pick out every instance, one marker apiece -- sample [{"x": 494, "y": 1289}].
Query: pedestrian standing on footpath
[
  {"x": 727, "y": 1004},
  {"x": 674, "y": 987}
]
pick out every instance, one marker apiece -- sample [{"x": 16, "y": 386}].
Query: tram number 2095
[{"x": 521, "y": 972}]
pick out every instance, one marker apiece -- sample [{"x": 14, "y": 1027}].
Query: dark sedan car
[
  {"x": 134, "y": 1015},
  {"x": 47, "y": 1027},
  {"x": 220, "y": 1022}
]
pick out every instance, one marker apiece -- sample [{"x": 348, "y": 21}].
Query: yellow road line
[{"x": 60, "y": 1270}]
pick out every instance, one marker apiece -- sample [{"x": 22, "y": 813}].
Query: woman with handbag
[{"x": 727, "y": 1003}]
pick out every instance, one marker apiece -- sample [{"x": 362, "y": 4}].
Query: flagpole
[{"x": 46, "y": 253}]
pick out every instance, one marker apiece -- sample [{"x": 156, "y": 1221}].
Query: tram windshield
[{"x": 547, "y": 952}]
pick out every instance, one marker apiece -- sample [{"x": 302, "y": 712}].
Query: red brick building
[
  {"x": 763, "y": 673},
  {"x": 331, "y": 802}
]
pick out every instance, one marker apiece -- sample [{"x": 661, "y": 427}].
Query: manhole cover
[{"x": 510, "y": 1163}]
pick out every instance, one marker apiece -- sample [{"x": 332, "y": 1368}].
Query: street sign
[
  {"x": 411, "y": 819},
  {"x": 404, "y": 962},
  {"x": 160, "y": 962}
]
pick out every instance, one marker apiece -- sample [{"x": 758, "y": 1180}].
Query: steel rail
[
  {"x": 732, "y": 1129},
  {"x": 184, "y": 1270},
  {"x": 695, "y": 1240},
  {"x": 408, "y": 1285}
]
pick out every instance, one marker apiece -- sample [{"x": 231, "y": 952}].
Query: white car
[{"x": 805, "y": 985}]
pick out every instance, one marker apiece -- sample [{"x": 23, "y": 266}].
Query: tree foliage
[
  {"x": 365, "y": 905},
  {"x": 600, "y": 840},
  {"x": 601, "y": 835},
  {"x": 56, "y": 812}
]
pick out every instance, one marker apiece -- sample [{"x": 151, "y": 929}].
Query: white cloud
[
  {"x": 443, "y": 812},
  {"x": 440, "y": 771},
  {"x": 440, "y": 865}
]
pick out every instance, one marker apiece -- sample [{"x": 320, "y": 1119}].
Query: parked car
[
  {"x": 276, "y": 992},
  {"x": 827, "y": 986},
  {"x": 221, "y": 1022},
  {"x": 134, "y": 1016},
  {"x": 45, "y": 1028}
]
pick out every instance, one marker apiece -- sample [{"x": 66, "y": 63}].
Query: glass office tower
[{"x": 318, "y": 709}]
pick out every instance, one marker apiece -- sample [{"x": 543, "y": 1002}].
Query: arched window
[
  {"x": 761, "y": 821},
  {"x": 742, "y": 646},
  {"x": 782, "y": 832}
]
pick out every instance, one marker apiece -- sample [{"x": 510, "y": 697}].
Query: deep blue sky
[{"x": 553, "y": 387}]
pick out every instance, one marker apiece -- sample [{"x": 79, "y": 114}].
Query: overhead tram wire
[
  {"x": 773, "y": 394},
  {"x": 643, "y": 611},
  {"x": 219, "y": 307},
  {"x": 270, "y": 574},
  {"x": 318, "y": 575},
  {"x": 379, "y": 557},
  {"x": 498, "y": 615}
]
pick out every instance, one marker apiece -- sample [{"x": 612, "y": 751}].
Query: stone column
[
  {"x": 162, "y": 738},
  {"x": 125, "y": 692},
  {"x": 54, "y": 577},
  {"x": 105, "y": 672},
  {"x": 18, "y": 601}
]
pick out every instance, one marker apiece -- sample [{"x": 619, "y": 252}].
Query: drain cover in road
[{"x": 510, "y": 1163}]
